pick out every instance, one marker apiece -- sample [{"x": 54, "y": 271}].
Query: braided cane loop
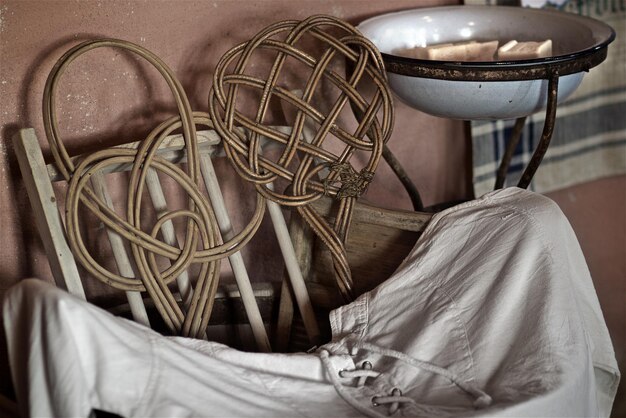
[
  {"x": 243, "y": 146},
  {"x": 202, "y": 244}
]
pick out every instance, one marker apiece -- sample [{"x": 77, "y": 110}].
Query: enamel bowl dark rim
[{"x": 541, "y": 68}]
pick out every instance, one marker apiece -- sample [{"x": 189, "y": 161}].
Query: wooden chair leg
[{"x": 285, "y": 317}]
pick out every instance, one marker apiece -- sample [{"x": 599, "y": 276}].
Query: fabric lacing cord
[{"x": 395, "y": 398}]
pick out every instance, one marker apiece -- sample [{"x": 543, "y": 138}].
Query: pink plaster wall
[{"x": 597, "y": 212}]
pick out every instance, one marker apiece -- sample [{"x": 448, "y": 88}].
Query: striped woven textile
[{"x": 589, "y": 140}]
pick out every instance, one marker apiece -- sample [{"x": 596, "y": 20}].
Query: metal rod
[
  {"x": 508, "y": 154},
  {"x": 546, "y": 135},
  {"x": 408, "y": 184}
]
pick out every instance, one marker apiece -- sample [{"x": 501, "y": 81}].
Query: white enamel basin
[{"x": 485, "y": 90}]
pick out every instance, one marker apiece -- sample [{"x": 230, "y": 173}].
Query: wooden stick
[
  {"x": 47, "y": 218},
  {"x": 285, "y": 317},
  {"x": 301, "y": 243},
  {"x": 169, "y": 235},
  {"x": 122, "y": 260},
  {"x": 172, "y": 149},
  {"x": 236, "y": 260},
  {"x": 295, "y": 275}
]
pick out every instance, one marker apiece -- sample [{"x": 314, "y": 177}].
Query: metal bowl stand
[{"x": 549, "y": 70}]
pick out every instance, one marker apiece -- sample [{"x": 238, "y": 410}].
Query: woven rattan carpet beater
[
  {"x": 370, "y": 135},
  {"x": 203, "y": 243},
  {"x": 145, "y": 245}
]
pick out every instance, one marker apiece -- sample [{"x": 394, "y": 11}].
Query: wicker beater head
[
  {"x": 244, "y": 135},
  {"x": 283, "y": 39}
]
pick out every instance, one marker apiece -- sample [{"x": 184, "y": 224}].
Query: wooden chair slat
[
  {"x": 377, "y": 235},
  {"x": 119, "y": 253},
  {"x": 227, "y": 308},
  {"x": 172, "y": 149},
  {"x": 236, "y": 260},
  {"x": 46, "y": 212},
  {"x": 301, "y": 240},
  {"x": 294, "y": 273},
  {"x": 169, "y": 235}
]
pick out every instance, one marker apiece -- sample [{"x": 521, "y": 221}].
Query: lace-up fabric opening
[{"x": 395, "y": 398}]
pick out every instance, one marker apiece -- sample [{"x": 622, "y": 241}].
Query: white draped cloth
[{"x": 492, "y": 314}]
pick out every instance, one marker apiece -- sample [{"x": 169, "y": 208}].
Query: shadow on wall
[{"x": 134, "y": 123}]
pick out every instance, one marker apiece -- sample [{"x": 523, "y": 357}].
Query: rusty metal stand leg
[
  {"x": 546, "y": 135},
  {"x": 508, "y": 154},
  {"x": 408, "y": 184}
]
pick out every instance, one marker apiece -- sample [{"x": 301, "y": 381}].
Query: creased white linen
[{"x": 496, "y": 291}]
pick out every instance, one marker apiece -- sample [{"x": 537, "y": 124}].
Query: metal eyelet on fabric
[
  {"x": 366, "y": 365},
  {"x": 395, "y": 392},
  {"x": 396, "y": 398}
]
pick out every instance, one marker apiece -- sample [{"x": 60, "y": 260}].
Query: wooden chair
[
  {"x": 378, "y": 241},
  {"x": 38, "y": 179}
]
